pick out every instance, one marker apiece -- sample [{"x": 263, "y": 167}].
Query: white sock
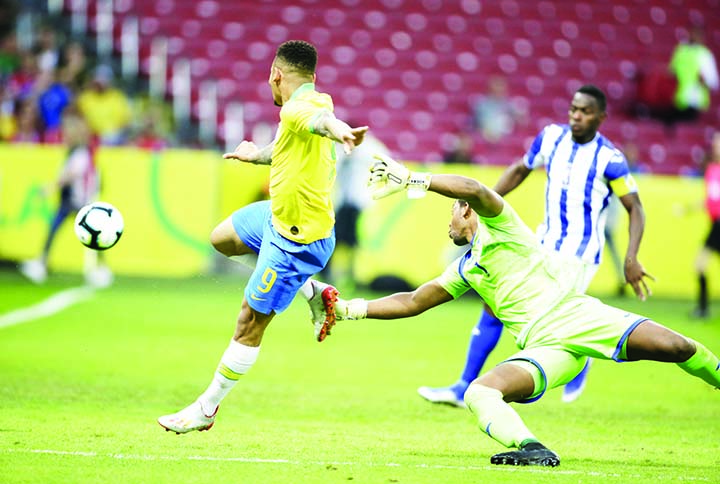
[
  {"x": 236, "y": 361},
  {"x": 248, "y": 260},
  {"x": 306, "y": 290}
]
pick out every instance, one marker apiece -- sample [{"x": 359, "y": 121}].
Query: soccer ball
[{"x": 99, "y": 225}]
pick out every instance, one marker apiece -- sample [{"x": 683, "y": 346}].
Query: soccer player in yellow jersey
[{"x": 288, "y": 238}]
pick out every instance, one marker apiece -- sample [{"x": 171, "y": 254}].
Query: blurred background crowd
[
  {"x": 462, "y": 81},
  {"x": 47, "y": 72}
]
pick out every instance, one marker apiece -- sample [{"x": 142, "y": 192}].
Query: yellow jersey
[{"x": 302, "y": 172}]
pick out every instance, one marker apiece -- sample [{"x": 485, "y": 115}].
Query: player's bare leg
[
  {"x": 226, "y": 241},
  {"x": 238, "y": 358},
  {"x": 321, "y": 297},
  {"x": 652, "y": 341}
]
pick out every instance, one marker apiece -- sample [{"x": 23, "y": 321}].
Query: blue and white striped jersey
[{"x": 578, "y": 189}]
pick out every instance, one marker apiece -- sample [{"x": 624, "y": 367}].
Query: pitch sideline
[
  {"x": 259, "y": 460},
  {"x": 52, "y": 305}
]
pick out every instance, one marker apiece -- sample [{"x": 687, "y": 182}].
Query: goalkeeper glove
[{"x": 387, "y": 176}]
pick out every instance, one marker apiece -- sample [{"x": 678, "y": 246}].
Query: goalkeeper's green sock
[
  {"x": 703, "y": 364},
  {"x": 496, "y": 418}
]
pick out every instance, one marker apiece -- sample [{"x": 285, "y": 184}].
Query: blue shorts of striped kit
[{"x": 283, "y": 265}]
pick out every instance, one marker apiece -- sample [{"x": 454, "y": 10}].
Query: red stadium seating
[{"x": 409, "y": 69}]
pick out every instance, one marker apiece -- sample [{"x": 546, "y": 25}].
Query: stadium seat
[{"x": 380, "y": 53}]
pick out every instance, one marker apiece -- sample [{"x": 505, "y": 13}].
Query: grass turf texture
[{"x": 81, "y": 391}]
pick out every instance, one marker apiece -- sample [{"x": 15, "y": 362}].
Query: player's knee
[
  {"x": 215, "y": 238},
  {"x": 251, "y": 325},
  {"x": 681, "y": 349},
  {"x": 478, "y": 396},
  {"x": 221, "y": 243}
]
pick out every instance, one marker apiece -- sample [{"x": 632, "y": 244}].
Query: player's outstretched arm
[
  {"x": 482, "y": 199},
  {"x": 326, "y": 124},
  {"x": 248, "y": 152},
  {"x": 387, "y": 176},
  {"x": 513, "y": 176},
  {"x": 395, "y": 306},
  {"x": 634, "y": 271}
]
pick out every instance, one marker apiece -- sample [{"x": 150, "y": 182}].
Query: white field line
[
  {"x": 48, "y": 307},
  {"x": 259, "y": 460}
]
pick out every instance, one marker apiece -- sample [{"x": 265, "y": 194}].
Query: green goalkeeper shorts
[{"x": 558, "y": 345}]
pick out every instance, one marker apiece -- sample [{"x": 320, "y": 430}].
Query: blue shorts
[{"x": 283, "y": 266}]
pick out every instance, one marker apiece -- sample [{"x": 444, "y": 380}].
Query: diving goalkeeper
[{"x": 555, "y": 327}]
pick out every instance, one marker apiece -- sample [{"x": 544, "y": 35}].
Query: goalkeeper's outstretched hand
[
  {"x": 387, "y": 176},
  {"x": 352, "y": 309}
]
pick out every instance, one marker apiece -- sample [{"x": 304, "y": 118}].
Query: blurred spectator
[
  {"x": 73, "y": 66},
  {"x": 77, "y": 185},
  {"x": 51, "y": 103},
  {"x": 712, "y": 243},
  {"x": 106, "y": 108},
  {"x": 8, "y": 122},
  {"x": 494, "y": 113},
  {"x": 21, "y": 83},
  {"x": 462, "y": 150},
  {"x": 9, "y": 56},
  {"x": 148, "y": 137},
  {"x": 153, "y": 127},
  {"x": 46, "y": 48},
  {"x": 695, "y": 68},
  {"x": 351, "y": 198},
  {"x": 8, "y": 16},
  {"x": 27, "y": 126}
]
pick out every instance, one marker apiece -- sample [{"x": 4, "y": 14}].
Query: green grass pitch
[{"x": 80, "y": 391}]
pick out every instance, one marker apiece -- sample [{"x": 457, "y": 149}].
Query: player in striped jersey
[
  {"x": 285, "y": 239},
  {"x": 583, "y": 170}
]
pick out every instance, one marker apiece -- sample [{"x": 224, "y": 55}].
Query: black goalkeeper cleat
[{"x": 533, "y": 454}]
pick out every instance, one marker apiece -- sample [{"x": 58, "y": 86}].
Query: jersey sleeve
[
  {"x": 507, "y": 220},
  {"x": 543, "y": 146},
  {"x": 452, "y": 280},
  {"x": 618, "y": 175},
  {"x": 533, "y": 158}
]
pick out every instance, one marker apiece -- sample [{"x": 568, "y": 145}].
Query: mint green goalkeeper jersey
[{"x": 509, "y": 269}]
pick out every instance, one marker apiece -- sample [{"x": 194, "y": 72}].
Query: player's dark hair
[
  {"x": 299, "y": 55},
  {"x": 597, "y": 93}
]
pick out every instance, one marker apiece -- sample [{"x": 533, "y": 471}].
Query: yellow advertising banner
[{"x": 171, "y": 201}]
